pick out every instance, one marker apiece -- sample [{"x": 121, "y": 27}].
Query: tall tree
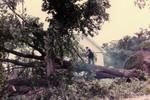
[{"x": 67, "y": 17}]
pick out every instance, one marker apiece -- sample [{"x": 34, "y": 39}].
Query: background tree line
[{"x": 117, "y": 52}]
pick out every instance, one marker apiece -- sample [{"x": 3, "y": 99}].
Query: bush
[
  {"x": 82, "y": 89},
  {"x": 2, "y": 77}
]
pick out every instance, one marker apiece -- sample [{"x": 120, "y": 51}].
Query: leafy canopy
[{"x": 85, "y": 17}]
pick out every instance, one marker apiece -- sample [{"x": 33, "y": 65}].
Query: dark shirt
[{"x": 90, "y": 53}]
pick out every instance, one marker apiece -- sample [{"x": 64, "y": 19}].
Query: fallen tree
[
  {"x": 25, "y": 85},
  {"x": 140, "y": 60},
  {"x": 99, "y": 71}
]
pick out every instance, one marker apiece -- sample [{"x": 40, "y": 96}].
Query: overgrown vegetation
[
  {"x": 117, "y": 52},
  {"x": 2, "y": 78},
  {"x": 82, "y": 89}
]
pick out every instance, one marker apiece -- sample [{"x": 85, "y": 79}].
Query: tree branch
[
  {"x": 34, "y": 47},
  {"x": 11, "y": 8},
  {"x": 23, "y": 55}
]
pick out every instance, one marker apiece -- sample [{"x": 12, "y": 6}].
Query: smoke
[{"x": 116, "y": 58}]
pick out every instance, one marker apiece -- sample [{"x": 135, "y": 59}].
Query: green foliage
[
  {"x": 85, "y": 17},
  {"x": 29, "y": 43},
  {"x": 82, "y": 89},
  {"x": 2, "y": 77},
  {"x": 20, "y": 39},
  {"x": 68, "y": 17},
  {"x": 2, "y": 74},
  {"x": 117, "y": 52}
]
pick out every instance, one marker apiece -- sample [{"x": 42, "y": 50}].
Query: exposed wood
[{"x": 23, "y": 55}]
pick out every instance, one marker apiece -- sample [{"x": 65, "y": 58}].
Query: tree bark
[
  {"x": 49, "y": 64},
  {"x": 113, "y": 73},
  {"x": 66, "y": 64},
  {"x": 48, "y": 58},
  {"x": 100, "y": 74},
  {"x": 24, "y": 55}
]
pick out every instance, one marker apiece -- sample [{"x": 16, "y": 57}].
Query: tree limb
[
  {"x": 78, "y": 54},
  {"x": 34, "y": 47},
  {"x": 11, "y": 8},
  {"x": 23, "y": 55}
]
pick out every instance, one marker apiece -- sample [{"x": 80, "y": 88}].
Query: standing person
[{"x": 90, "y": 55}]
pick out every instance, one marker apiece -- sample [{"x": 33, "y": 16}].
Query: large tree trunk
[
  {"x": 15, "y": 85},
  {"x": 48, "y": 58},
  {"x": 49, "y": 64},
  {"x": 113, "y": 73},
  {"x": 101, "y": 72}
]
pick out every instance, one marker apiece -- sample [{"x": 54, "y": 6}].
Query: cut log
[
  {"x": 113, "y": 73},
  {"x": 101, "y": 71}
]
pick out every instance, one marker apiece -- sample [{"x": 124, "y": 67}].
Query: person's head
[{"x": 87, "y": 48}]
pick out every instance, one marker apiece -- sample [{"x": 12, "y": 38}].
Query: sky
[{"x": 124, "y": 19}]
